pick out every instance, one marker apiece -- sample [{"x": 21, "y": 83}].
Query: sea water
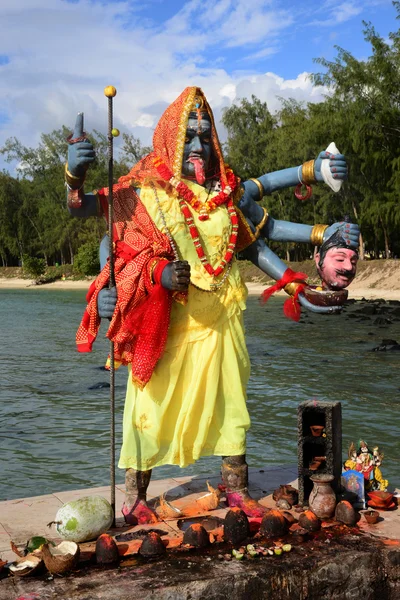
[{"x": 54, "y": 430}]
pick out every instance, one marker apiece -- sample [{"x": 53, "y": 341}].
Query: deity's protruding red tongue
[{"x": 198, "y": 164}]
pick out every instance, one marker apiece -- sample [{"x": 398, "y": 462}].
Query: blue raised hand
[
  {"x": 337, "y": 166},
  {"x": 80, "y": 153}
]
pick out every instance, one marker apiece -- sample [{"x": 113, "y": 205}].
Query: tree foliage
[{"x": 361, "y": 113}]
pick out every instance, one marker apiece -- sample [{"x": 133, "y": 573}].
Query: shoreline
[{"x": 357, "y": 290}]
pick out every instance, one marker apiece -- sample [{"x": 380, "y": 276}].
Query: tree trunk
[
  {"x": 386, "y": 238},
  {"x": 362, "y": 246},
  {"x": 71, "y": 252}
]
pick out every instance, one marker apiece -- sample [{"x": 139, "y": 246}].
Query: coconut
[
  {"x": 211, "y": 500},
  {"x": 196, "y": 536},
  {"x": 62, "y": 558},
  {"x": 152, "y": 546},
  {"x": 274, "y": 524},
  {"x": 308, "y": 520},
  {"x": 236, "y": 526},
  {"x": 106, "y": 550},
  {"x": 84, "y": 519},
  {"x": 28, "y": 565},
  {"x": 166, "y": 510},
  {"x": 346, "y": 514}
]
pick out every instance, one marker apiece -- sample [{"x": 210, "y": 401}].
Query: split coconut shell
[
  {"x": 308, "y": 520},
  {"x": 62, "y": 558},
  {"x": 274, "y": 524},
  {"x": 346, "y": 514},
  {"x": 106, "y": 550},
  {"x": 152, "y": 546},
  {"x": 166, "y": 510},
  {"x": 196, "y": 536},
  {"x": 31, "y": 564},
  {"x": 236, "y": 526}
]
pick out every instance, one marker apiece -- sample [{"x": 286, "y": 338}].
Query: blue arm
[{"x": 266, "y": 260}]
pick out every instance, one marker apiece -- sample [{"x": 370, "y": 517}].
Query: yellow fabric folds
[{"x": 195, "y": 402}]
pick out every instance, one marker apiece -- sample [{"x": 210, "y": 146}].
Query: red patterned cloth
[{"x": 139, "y": 325}]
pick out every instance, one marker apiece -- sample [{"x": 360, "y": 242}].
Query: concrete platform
[{"x": 348, "y": 567}]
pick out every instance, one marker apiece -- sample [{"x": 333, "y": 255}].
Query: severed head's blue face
[{"x": 198, "y": 148}]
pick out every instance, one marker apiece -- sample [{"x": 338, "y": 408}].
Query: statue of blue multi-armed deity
[{"x": 181, "y": 214}]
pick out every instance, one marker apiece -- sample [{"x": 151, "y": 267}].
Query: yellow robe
[{"x": 195, "y": 403}]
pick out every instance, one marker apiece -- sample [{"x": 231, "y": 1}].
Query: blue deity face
[{"x": 198, "y": 149}]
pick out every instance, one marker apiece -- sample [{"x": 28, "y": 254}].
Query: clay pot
[
  {"x": 308, "y": 520},
  {"x": 236, "y": 526},
  {"x": 286, "y": 492},
  {"x": 196, "y": 536},
  {"x": 322, "y": 499},
  {"x": 346, "y": 514},
  {"x": 316, "y": 430},
  {"x": 274, "y": 524},
  {"x": 371, "y": 516},
  {"x": 106, "y": 550},
  {"x": 152, "y": 546}
]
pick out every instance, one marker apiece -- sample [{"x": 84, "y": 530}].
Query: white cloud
[{"x": 63, "y": 54}]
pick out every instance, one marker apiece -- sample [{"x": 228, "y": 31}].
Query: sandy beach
[{"x": 357, "y": 290}]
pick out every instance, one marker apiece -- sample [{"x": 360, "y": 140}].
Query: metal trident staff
[{"x": 110, "y": 92}]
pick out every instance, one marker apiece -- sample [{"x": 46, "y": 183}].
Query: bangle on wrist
[
  {"x": 317, "y": 234},
  {"x": 72, "y": 181},
  {"x": 308, "y": 172},
  {"x": 291, "y": 288},
  {"x": 260, "y": 188},
  {"x": 261, "y": 224}
]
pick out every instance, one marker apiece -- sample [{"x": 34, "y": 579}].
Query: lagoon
[{"x": 54, "y": 430}]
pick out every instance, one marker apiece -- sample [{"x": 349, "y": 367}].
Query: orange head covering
[{"x": 169, "y": 140}]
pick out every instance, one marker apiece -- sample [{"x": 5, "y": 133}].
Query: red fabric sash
[
  {"x": 291, "y": 307},
  {"x": 139, "y": 325}
]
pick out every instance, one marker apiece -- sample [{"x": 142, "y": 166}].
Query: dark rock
[
  {"x": 308, "y": 520},
  {"x": 382, "y": 321},
  {"x": 99, "y": 386},
  {"x": 346, "y": 514},
  {"x": 236, "y": 526},
  {"x": 369, "y": 309},
  {"x": 106, "y": 550},
  {"x": 274, "y": 524},
  {"x": 387, "y": 345},
  {"x": 152, "y": 546},
  {"x": 196, "y": 536}
]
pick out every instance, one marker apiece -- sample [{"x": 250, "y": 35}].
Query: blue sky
[{"x": 56, "y": 56}]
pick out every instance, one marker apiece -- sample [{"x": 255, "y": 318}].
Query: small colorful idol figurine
[{"x": 368, "y": 463}]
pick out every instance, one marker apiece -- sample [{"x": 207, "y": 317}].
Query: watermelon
[{"x": 84, "y": 519}]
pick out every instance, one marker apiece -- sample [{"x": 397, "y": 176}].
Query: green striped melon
[{"x": 84, "y": 519}]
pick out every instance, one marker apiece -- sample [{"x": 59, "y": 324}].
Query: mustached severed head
[{"x": 336, "y": 262}]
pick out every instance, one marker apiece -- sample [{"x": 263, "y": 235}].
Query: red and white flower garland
[{"x": 188, "y": 197}]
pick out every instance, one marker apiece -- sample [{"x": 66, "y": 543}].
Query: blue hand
[
  {"x": 176, "y": 276},
  {"x": 337, "y": 165},
  {"x": 350, "y": 232},
  {"x": 106, "y": 302},
  {"x": 80, "y": 154}
]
